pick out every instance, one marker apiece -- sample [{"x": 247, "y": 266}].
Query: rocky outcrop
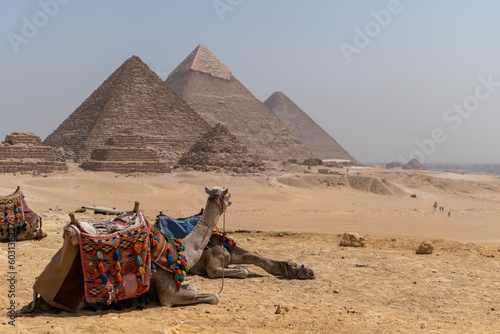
[
  {"x": 133, "y": 98},
  {"x": 125, "y": 154},
  {"x": 24, "y": 152},
  {"x": 320, "y": 143},
  {"x": 219, "y": 149},
  {"x": 353, "y": 240},
  {"x": 210, "y": 88}
]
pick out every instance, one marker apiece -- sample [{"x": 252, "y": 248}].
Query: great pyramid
[
  {"x": 24, "y": 152},
  {"x": 306, "y": 129},
  {"x": 125, "y": 153},
  {"x": 220, "y": 149},
  {"x": 210, "y": 88},
  {"x": 133, "y": 97}
]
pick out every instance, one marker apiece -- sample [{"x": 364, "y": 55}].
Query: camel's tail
[{"x": 32, "y": 305}]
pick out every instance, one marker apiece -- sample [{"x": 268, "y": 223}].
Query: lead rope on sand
[{"x": 223, "y": 233}]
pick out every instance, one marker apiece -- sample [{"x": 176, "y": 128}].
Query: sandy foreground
[{"x": 288, "y": 214}]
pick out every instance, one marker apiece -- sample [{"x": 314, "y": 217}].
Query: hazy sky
[{"x": 389, "y": 80}]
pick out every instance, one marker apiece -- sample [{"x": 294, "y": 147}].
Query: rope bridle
[
  {"x": 222, "y": 199},
  {"x": 222, "y": 210},
  {"x": 286, "y": 269}
]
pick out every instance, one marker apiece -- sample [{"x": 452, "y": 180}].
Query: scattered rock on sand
[
  {"x": 281, "y": 309},
  {"x": 425, "y": 247},
  {"x": 353, "y": 240}
]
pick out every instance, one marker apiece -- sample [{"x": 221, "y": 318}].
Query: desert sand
[{"x": 294, "y": 213}]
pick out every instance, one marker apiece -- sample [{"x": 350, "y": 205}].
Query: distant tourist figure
[
  {"x": 449, "y": 213},
  {"x": 435, "y": 205}
]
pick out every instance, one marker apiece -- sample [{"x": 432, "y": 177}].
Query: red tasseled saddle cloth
[{"x": 116, "y": 266}]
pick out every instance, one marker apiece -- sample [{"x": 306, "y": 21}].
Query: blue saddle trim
[{"x": 177, "y": 228}]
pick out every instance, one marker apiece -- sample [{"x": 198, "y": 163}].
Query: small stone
[
  {"x": 336, "y": 291},
  {"x": 281, "y": 309},
  {"x": 425, "y": 247}
]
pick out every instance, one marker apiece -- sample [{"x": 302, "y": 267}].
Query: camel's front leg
[
  {"x": 188, "y": 295},
  {"x": 170, "y": 295}
]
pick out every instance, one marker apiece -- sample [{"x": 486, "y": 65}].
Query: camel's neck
[{"x": 198, "y": 239}]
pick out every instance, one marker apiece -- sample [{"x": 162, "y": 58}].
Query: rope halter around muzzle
[
  {"x": 225, "y": 201},
  {"x": 288, "y": 269}
]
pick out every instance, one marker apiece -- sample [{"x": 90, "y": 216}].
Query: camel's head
[
  {"x": 293, "y": 270},
  {"x": 222, "y": 193}
]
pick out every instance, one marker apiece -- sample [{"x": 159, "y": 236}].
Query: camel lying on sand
[
  {"x": 195, "y": 242},
  {"x": 163, "y": 284},
  {"x": 216, "y": 259}
]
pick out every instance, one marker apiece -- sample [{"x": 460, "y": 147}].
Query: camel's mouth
[{"x": 307, "y": 274}]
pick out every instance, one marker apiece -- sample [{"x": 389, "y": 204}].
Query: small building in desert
[{"x": 24, "y": 152}]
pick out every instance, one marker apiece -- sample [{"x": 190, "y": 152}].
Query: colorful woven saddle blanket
[
  {"x": 177, "y": 228},
  {"x": 116, "y": 258},
  {"x": 15, "y": 214}
]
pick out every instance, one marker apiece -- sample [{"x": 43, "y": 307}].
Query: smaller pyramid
[
  {"x": 414, "y": 164},
  {"x": 220, "y": 149},
  {"x": 394, "y": 164},
  {"x": 125, "y": 154},
  {"x": 24, "y": 152},
  {"x": 320, "y": 143}
]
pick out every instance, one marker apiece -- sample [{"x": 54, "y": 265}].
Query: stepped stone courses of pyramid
[
  {"x": 24, "y": 152},
  {"x": 320, "y": 143},
  {"x": 219, "y": 149},
  {"x": 125, "y": 154},
  {"x": 133, "y": 96},
  {"x": 208, "y": 86}
]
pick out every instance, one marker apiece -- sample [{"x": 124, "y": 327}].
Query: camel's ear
[
  {"x": 207, "y": 190},
  {"x": 224, "y": 193}
]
